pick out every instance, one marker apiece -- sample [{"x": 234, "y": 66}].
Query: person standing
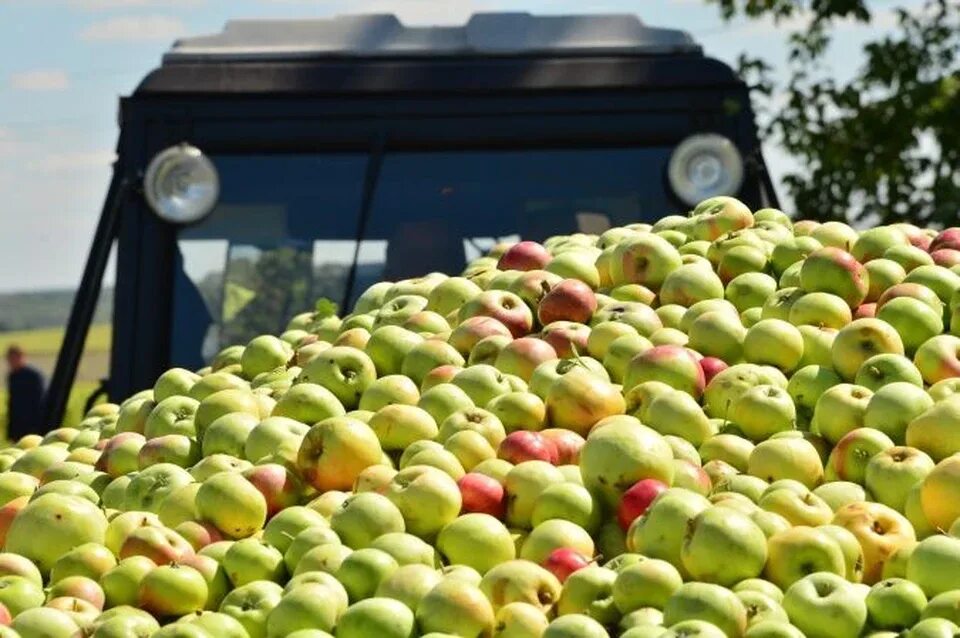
[{"x": 25, "y": 390}]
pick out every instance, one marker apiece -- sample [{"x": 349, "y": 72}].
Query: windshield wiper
[{"x": 370, "y": 179}]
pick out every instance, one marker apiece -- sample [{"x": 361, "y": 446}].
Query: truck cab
[{"x": 278, "y": 162}]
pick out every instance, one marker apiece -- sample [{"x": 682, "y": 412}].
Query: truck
[{"x": 277, "y": 162}]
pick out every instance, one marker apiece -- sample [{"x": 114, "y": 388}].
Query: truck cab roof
[{"x": 385, "y": 36}]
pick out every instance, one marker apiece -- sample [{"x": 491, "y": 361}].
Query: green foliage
[{"x": 883, "y": 146}]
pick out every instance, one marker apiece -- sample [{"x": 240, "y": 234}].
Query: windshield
[{"x": 289, "y": 228}]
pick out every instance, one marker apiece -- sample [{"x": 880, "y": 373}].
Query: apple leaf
[{"x": 325, "y": 308}]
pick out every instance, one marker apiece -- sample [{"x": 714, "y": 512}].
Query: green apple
[
  {"x": 861, "y": 339},
  {"x": 520, "y": 620},
  {"x": 218, "y": 404},
  {"x": 914, "y": 320},
  {"x": 453, "y": 606},
  {"x": 932, "y": 431},
  {"x": 335, "y": 451},
  {"x": 426, "y": 497},
  {"x": 90, "y": 560},
  {"x": 524, "y": 483},
  {"x": 723, "y": 546},
  {"x": 849, "y": 458},
  {"x": 173, "y": 590},
  {"x": 891, "y": 474},
  {"x": 232, "y": 504},
  {"x": 263, "y": 354},
  {"x": 786, "y": 458},
  {"x": 575, "y": 626},
  {"x": 388, "y": 346},
  {"x": 53, "y": 524},
  {"x": 362, "y": 571},
  {"x": 477, "y": 540},
  {"x": 820, "y": 309},
  {"x": 708, "y": 603},
  {"x": 618, "y": 454},
  {"x": 763, "y": 411},
  {"x": 824, "y": 605},
  {"x": 344, "y": 371},
  {"x": 121, "y": 583},
  {"x": 228, "y": 434},
  {"x": 44, "y": 621},
  {"x": 840, "y": 410},
  {"x": 174, "y": 415},
  {"x": 275, "y": 436},
  {"x": 569, "y": 502},
  {"x": 932, "y": 628},
  {"x": 409, "y": 584},
  {"x": 677, "y": 413},
  {"x": 731, "y": 449},
  {"x": 835, "y": 271},
  {"x": 933, "y": 564},
  {"x": 892, "y": 408},
  {"x": 520, "y": 581},
  {"x": 659, "y": 532},
  {"x": 364, "y": 517},
  {"x": 648, "y": 583},
  {"x": 216, "y": 624},
  {"x": 308, "y": 403},
  {"x": 718, "y": 334},
  {"x": 883, "y": 369},
  {"x": 519, "y": 411},
  {"x": 644, "y": 259},
  {"x": 376, "y": 617},
  {"x": 19, "y": 594},
  {"x": 252, "y": 559},
  {"x": 774, "y": 342},
  {"x": 174, "y": 382},
  {"x": 389, "y": 390},
  {"x": 750, "y": 290},
  {"x": 589, "y": 591},
  {"x": 399, "y": 425},
  {"x": 895, "y": 604},
  {"x": 808, "y": 384},
  {"x": 555, "y": 534},
  {"x": 273, "y": 615},
  {"x": 799, "y": 508},
  {"x": 836, "y": 494}
]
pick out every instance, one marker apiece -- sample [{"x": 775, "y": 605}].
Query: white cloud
[
  {"x": 135, "y": 29},
  {"x": 40, "y": 80},
  {"x": 72, "y": 161},
  {"x": 101, "y": 5}
]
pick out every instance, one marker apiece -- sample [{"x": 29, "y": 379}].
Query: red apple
[
  {"x": 564, "y": 561},
  {"x": 567, "y": 442},
  {"x": 946, "y": 257},
  {"x": 522, "y": 356},
  {"x": 482, "y": 494},
  {"x": 280, "y": 487},
  {"x": 865, "y": 310},
  {"x": 465, "y": 336},
  {"x": 711, "y": 366},
  {"x": 567, "y": 337},
  {"x": 637, "y": 499},
  {"x": 524, "y": 255},
  {"x": 505, "y": 307},
  {"x": 523, "y": 446},
  {"x": 948, "y": 238},
  {"x": 440, "y": 374},
  {"x": 570, "y": 300}
]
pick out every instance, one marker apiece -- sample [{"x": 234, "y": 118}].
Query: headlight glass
[
  {"x": 181, "y": 184},
  {"x": 704, "y": 166}
]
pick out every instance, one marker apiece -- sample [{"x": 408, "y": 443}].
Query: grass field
[{"x": 42, "y": 346}]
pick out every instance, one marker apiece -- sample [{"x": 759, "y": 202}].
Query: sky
[{"x": 65, "y": 63}]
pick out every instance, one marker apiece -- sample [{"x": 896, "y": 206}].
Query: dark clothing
[{"x": 26, "y": 387}]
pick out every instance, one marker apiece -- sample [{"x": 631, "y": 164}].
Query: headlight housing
[
  {"x": 704, "y": 166},
  {"x": 181, "y": 185}
]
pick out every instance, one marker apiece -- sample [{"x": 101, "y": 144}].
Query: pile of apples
[{"x": 726, "y": 424}]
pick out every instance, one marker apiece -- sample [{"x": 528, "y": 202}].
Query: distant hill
[{"x": 46, "y": 309}]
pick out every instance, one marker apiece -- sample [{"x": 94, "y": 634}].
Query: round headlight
[
  {"x": 181, "y": 185},
  {"x": 704, "y": 166}
]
